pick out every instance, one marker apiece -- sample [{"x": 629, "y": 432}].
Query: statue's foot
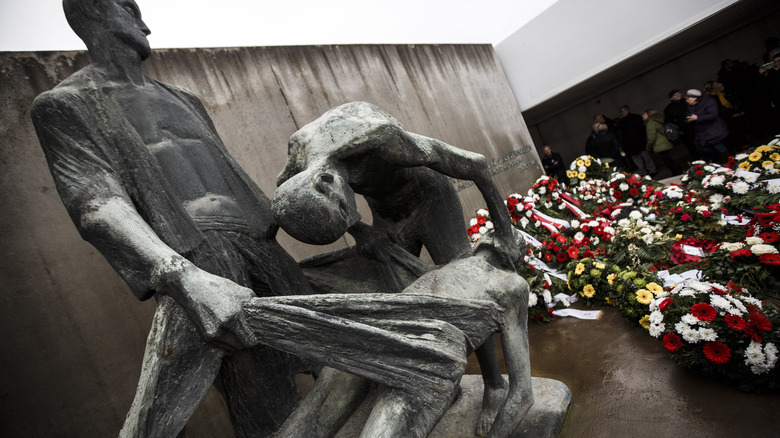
[{"x": 492, "y": 400}]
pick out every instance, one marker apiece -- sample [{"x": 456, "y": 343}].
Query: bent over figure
[{"x": 358, "y": 148}]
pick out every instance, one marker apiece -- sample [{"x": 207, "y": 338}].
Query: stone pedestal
[{"x": 544, "y": 420}]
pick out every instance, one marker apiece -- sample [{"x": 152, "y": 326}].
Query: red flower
[
  {"x": 512, "y": 200},
  {"x": 634, "y": 192},
  {"x": 585, "y": 228},
  {"x": 561, "y": 257},
  {"x": 718, "y": 290},
  {"x": 769, "y": 237},
  {"x": 760, "y": 321},
  {"x": 736, "y": 322},
  {"x": 548, "y": 257},
  {"x": 481, "y": 220},
  {"x": 469, "y": 231},
  {"x": 752, "y": 332},
  {"x": 706, "y": 213},
  {"x": 744, "y": 252},
  {"x": 685, "y": 217},
  {"x": 672, "y": 342},
  {"x": 511, "y": 208},
  {"x": 704, "y": 311},
  {"x": 769, "y": 259},
  {"x": 699, "y": 173},
  {"x": 665, "y": 303},
  {"x": 717, "y": 352},
  {"x": 573, "y": 252},
  {"x": 538, "y": 316},
  {"x": 617, "y": 194},
  {"x": 475, "y": 228}
]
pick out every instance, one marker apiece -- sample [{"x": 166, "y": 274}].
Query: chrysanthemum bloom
[
  {"x": 717, "y": 352},
  {"x": 704, "y": 311},
  {"x": 672, "y": 342}
]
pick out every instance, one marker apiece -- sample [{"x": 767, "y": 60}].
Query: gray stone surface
[{"x": 545, "y": 419}]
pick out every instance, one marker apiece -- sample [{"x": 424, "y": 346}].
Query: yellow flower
[
  {"x": 580, "y": 163},
  {"x": 579, "y": 269},
  {"x": 654, "y": 288},
  {"x": 571, "y": 173},
  {"x": 755, "y": 156},
  {"x": 599, "y": 265},
  {"x": 610, "y": 301},
  {"x": 606, "y": 165},
  {"x": 677, "y": 236},
  {"x": 768, "y": 163},
  {"x": 588, "y": 291},
  {"x": 744, "y": 165},
  {"x": 775, "y": 157},
  {"x": 644, "y": 296},
  {"x": 645, "y": 322},
  {"x": 581, "y": 175},
  {"x": 587, "y": 163},
  {"x": 611, "y": 278},
  {"x": 764, "y": 148}
]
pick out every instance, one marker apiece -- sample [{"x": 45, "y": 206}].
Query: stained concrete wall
[{"x": 72, "y": 335}]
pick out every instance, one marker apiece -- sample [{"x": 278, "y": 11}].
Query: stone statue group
[{"x": 146, "y": 179}]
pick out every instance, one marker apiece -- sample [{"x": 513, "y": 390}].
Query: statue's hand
[
  {"x": 213, "y": 303},
  {"x": 367, "y": 238},
  {"x": 510, "y": 251}
]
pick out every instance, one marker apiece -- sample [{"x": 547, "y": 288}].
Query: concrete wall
[
  {"x": 72, "y": 334},
  {"x": 567, "y": 130}
]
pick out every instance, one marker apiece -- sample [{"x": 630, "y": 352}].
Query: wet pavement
[{"x": 624, "y": 385}]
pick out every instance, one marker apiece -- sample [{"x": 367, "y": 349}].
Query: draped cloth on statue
[{"x": 406, "y": 341}]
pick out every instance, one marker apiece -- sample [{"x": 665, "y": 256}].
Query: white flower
[
  {"x": 689, "y": 319},
  {"x": 483, "y": 230},
  {"x": 680, "y": 327},
  {"x": 716, "y": 198},
  {"x": 593, "y": 223},
  {"x": 489, "y": 225},
  {"x": 524, "y": 222},
  {"x": 583, "y": 169},
  {"x": 645, "y": 230},
  {"x": 547, "y": 296},
  {"x": 719, "y": 302},
  {"x": 556, "y": 195},
  {"x": 473, "y": 221},
  {"x": 542, "y": 190},
  {"x": 691, "y": 336},
  {"x": 647, "y": 238},
  {"x": 740, "y": 157},
  {"x": 750, "y": 177},
  {"x": 656, "y": 317},
  {"x": 759, "y": 369},
  {"x": 763, "y": 249},
  {"x": 579, "y": 236},
  {"x": 773, "y": 187},
  {"x": 575, "y": 223},
  {"x": 483, "y": 212},
  {"x": 754, "y": 355},
  {"x": 656, "y": 329},
  {"x": 636, "y": 215},
  {"x": 623, "y": 186},
  {"x": 699, "y": 286},
  {"x": 709, "y": 168},
  {"x": 595, "y": 240},
  {"x": 753, "y": 240},
  {"x": 532, "y": 299},
  {"x": 740, "y": 187},
  {"x": 707, "y": 334}
]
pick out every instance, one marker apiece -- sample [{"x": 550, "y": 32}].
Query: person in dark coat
[
  {"x": 553, "y": 164},
  {"x": 633, "y": 137},
  {"x": 676, "y": 112},
  {"x": 709, "y": 129},
  {"x": 604, "y": 145}
]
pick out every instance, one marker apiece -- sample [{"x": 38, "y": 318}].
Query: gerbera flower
[
  {"x": 644, "y": 296},
  {"x": 654, "y": 288},
  {"x": 769, "y": 259},
  {"x": 672, "y": 342},
  {"x": 740, "y": 253},
  {"x": 755, "y": 156},
  {"x": 645, "y": 322},
  {"x": 736, "y": 322},
  {"x": 704, "y": 311},
  {"x": 717, "y": 352},
  {"x": 665, "y": 303},
  {"x": 760, "y": 322}
]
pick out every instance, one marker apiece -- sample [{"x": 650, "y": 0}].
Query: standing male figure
[
  {"x": 633, "y": 138},
  {"x": 553, "y": 164},
  {"x": 147, "y": 180}
]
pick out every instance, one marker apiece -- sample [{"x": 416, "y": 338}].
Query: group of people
[{"x": 739, "y": 109}]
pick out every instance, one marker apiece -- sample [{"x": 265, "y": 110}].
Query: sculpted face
[
  {"x": 112, "y": 24},
  {"x": 315, "y": 207}
]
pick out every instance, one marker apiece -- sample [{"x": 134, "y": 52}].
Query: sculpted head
[
  {"x": 108, "y": 24},
  {"x": 315, "y": 206}
]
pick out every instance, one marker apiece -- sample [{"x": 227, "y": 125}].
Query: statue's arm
[
  {"x": 404, "y": 148},
  {"x": 105, "y": 216}
]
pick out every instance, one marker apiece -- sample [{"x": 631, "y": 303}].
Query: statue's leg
[
  {"x": 399, "y": 413},
  {"x": 259, "y": 388},
  {"x": 334, "y": 397},
  {"x": 177, "y": 371},
  {"x": 495, "y": 387}
]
